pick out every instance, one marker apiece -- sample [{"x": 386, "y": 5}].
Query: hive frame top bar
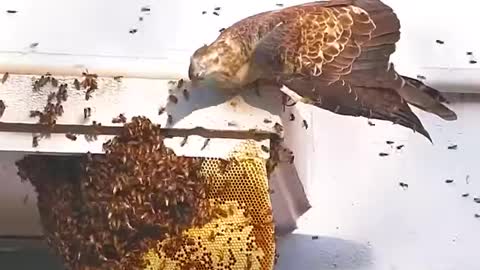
[{"x": 197, "y": 113}]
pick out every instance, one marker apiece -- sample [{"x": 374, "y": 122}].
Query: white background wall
[{"x": 363, "y": 218}]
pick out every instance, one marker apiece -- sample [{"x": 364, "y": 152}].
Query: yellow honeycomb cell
[{"x": 243, "y": 238}]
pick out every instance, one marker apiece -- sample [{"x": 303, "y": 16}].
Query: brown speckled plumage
[{"x": 335, "y": 53}]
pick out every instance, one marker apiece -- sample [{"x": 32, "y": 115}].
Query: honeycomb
[{"x": 243, "y": 237}]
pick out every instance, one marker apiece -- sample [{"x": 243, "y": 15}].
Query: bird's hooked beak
[{"x": 194, "y": 75}]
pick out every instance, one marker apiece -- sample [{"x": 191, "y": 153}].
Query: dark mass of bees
[
  {"x": 53, "y": 109},
  {"x": 101, "y": 211}
]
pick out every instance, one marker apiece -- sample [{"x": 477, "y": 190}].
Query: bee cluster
[
  {"x": 103, "y": 211},
  {"x": 53, "y": 109}
]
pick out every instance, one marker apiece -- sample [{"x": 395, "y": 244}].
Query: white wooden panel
[{"x": 204, "y": 108}]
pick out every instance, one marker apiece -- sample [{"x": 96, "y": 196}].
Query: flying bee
[
  {"x": 35, "y": 140},
  {"x": 62, "y": 92},
  {"x": 2, "y": 107},
  {"x": 43, "y": 80},
  {"x": 184, "y": 141},
  {"x": 71, "y": 136},
  {"x": 54, "y": 82},
  {"x": 291, "y": 159},
  {"x": 161, "y": 110},
  {"x": 186, "y": 94},
  {"x": 305, "y": 124},
  {"x": 180, "y": 83},
  {"x": 249, "y": 262},
  {"x": 211, "y": 236},
  {"x": 403, "y": 185},
  {"x": 278, "y": 128},
  {"x": 90, "y": 81},
  {"x": 36, "y": 113},
  {"x": 51, "y": 97},
  {"x": 205, "y": 144},
  {"x": 453, "y": 147},
  {"x": 5, "y": 77},
  {"x": 76, "y": 83},
  {"x": 88, "y": 94},
  {"x": 87, "y": 112},
  {"x": 265, "y": 149},
  {"x": 119, "y": 119},
  {"x": 173, "y": 99},
  {"x": 222, "y": 165},
  {"x": 59, "y": 109}
]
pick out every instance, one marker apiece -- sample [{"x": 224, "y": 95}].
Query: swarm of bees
[
  {"x": 102, "y": 211},
  {"x": 44, "y": 80},
  {"x": 52, "y": 110}
]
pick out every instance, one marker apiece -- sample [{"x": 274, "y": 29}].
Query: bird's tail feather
[{"x": 425, "y": 98}]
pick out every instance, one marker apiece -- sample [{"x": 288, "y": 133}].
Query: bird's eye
[{"x": 216, "y": 60}]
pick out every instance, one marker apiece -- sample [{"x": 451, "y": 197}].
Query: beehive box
[
  {"x": 103, "y": 215},
  {"x": 239, "y": 234}
]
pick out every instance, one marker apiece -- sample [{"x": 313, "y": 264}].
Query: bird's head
[{"x": 208, "y": 67}]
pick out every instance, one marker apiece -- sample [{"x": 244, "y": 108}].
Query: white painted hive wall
[{"x": 364, "y": 219}]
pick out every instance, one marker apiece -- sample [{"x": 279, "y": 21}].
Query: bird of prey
[{"x": 334, "y": 54}]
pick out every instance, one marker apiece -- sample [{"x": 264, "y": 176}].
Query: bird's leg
[
  {"x": 262, "y": 84},
  {"x": 294, "y": 96},
  {"x": 285, "y": 99}
]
